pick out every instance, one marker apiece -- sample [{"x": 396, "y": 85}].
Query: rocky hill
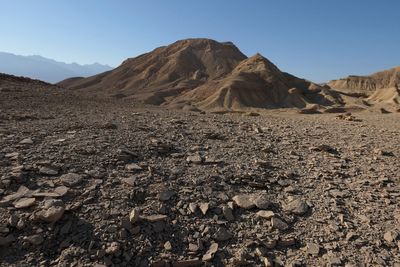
[
  {"x": 256, "y": 83},
  {"x": 10, "y": 82},
  {"x": 204, "y": 74}
]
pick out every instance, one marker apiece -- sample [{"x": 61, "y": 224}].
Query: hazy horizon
[{"x": 319, "y": 41}]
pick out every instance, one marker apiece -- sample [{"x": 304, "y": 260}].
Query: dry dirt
[{"x": 88, "y": 182}]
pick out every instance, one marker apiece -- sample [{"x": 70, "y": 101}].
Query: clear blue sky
[{"x": 315, "y": 39}]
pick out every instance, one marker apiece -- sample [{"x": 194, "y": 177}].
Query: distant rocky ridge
[
  {"x": 37, "y": 67},
  {"x": 379, "y": 90},
  {"x": 368, "y": 84},
  {"x": 7, "y": 81}
]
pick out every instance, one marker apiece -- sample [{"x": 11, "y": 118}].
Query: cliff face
[{"x": 368, "y": 84}]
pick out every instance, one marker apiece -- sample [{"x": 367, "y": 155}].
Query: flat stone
[
  {"x": 61, "y": 190},
  {"x": 48, "y": 171},
  {"x": 129, "y": 181},
  {"x": 267, "y": 214},
  {"x": 312, "y": 249},
  {"x": 52, "y": 210},
  {"x": 222, "y": 234},
  {"x": 279, "y": 224},
  {"x": 22, "y": 192},
  {"x": 35, "y": 239},
  {"x": 211, "y": 252},
  {"x": 228, "y": 213},
  {"x": 155, "y": 218},
  {"x": 26, "y": 141},
  {"x": 166, "y": 195},
  {"x": 24, "y": 203},
  {"x": 390, "y": 236},
  {"x": 196, "y": 159},
  {"x": 262, "y": 201},
  {"x": 71, "y": 179},
  {"x": 297, "y": 207},
  {"x": 133, "y": 167},
  {"x": 244, "y": 201},
  {"x": 193, "y": 247}
]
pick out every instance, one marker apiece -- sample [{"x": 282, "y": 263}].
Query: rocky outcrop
[{"x": 367, "y": 85}]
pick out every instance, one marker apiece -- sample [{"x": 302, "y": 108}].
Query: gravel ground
[{"x": 92, "y": 182}]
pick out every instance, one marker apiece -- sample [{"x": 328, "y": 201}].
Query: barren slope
[
  {"x": 207, "y": 75},
  {"x": 256, "y": 83},
  {"x": 165, "y": 71}
]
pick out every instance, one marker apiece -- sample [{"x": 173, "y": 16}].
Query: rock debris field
[{"x": 92, "y": 182}]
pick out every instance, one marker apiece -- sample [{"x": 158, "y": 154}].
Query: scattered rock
[
  {"x": 222, "y": 234},
  {"x": 262, "y": 201},
  {"x": 113, "y": 248},
  {"x": 167, "y": 246},
  {"x": 244, "y": 201},
  {"x": 228, "y": 213},
  {"x": 155, "y": 218},
  {"x": 279, "y": 224},
  {"x": 22, "y": 192},
  {"x": 211, "y": 252},
  {"x": 196, "y": 159},
  {"x": 24, "y": 203},
  {"x": 133, "y": 167},
  {"x": 129, "y": 181},
  {"x": 324, "y": 148},
  {"x": 204, "y": 207},
  {"x": 26, "y": 141},
  {"x": 192, "y": 207},
  {"x": 134, "y": 216},
  {"x": 312, "y": 249},
  {"x": 297, "y": 206},
  {"x": 166, "y": 195},
  {"x": 48, "y": 171},
  {"x": 390, "y": 236},
  {"x": 267, "y": 214},
  {"x": 71, "y": 179},
  {"x": 51, "y": 211}
]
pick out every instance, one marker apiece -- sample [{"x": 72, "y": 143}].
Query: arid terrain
[{"x": 89, "y": 181}]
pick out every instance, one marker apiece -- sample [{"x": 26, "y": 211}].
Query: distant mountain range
[{"x": 45, "y": 69}]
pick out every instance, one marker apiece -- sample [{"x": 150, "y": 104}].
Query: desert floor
[{"x": 109, "y": 182}]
